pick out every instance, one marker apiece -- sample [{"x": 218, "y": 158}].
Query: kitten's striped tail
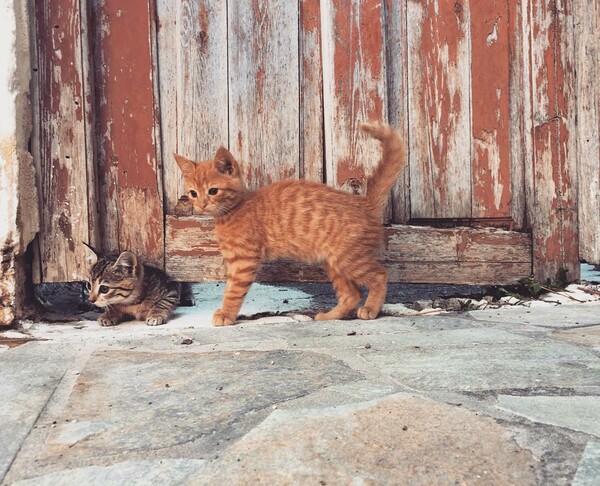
[{"x": 383, "y": 178}]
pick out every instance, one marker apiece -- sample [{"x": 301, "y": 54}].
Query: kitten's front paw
[
  {"x": 367, "y": 313},
  {"x": 106, "y": 321},
  {"x": 155, "y": 320},
  {"x": 220, "y": 319}
]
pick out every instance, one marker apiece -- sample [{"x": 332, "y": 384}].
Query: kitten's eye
[
  {"x": 193, "y": 193},
  {"x": 213, "y": 191},
  {"x": 88, "y": 286},
  {"x": 103, "y": 289}
]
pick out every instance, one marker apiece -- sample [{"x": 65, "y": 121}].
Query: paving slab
[
  {"x": 394, "y": 440},
  {"x": 586, "y": 336},
  {"x": 580, "y": 413},
  {"x": 482, "y": 359},
  {"x": 419, "y": 399},
  {"x": 29, "y": 375},
  {"x": 557, "y": 316},
  {"x": 588, "y": 472},
  {"x": 125, "y": 402},
  {"x": 161, "y": 472}
]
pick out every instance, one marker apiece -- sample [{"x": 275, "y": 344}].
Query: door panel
[
  {"x": 311, "y": 92},
  {"x": 61, "y": 146},
  {"x": 354, "y": 86},
  {"x": 490, "y": 119},
  {"x": 264, "y": 94},
  {"x": 482, "y": 91},
  {"x": 439, "y": 76},
  {"x": 129, "y": 174},
  {"x": 192, "y": 54}
]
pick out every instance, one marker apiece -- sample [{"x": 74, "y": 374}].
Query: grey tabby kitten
[{"x": 129, "y": 289}]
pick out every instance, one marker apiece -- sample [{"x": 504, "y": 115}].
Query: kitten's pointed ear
[
  {"x": 186, "y": 166},
  {"x": 226, "y": 163},
  {"x": 128, "y": 261},
  {"x": 91, "y": 254}
]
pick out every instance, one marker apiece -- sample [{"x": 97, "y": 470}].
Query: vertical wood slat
[
  {"x": 521, "y": 117},
  {"x": 64, "y": 158},
  {"x": 201, "y": 123},
  {"x": 130, "y": 175},
  {"x": 397, "y": 94},
  {"x": 354, "y": 87},
  {"x": 439, "y": 41},
  {"x": 167, "y": 41},
  {"x": 555, "y": 231},
  {"x": 263, "y": 89},
  {"x": 311, "y": 92},
  {"x": 490, "y": 63},
  {"x": 587, "y": 52}
]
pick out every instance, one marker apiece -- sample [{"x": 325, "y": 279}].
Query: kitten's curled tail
[{"x": 383, "y": 178}]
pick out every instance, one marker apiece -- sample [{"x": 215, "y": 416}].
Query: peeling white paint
[
  {"x": 492, "y": 37},
  {"x": 488, "y": 144}
]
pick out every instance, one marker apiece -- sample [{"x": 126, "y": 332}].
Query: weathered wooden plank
[
  {"x": 131, "y": 213},
  {"x": 192, "y": 50},
  {"x": 64, "y": 155},
  {"x": 311, "y": 92},
  {"x": 521, "y": 118},
  {"x": 466, "y": 273},
  {"x": 439, "y": 40},
  {"x": 411, "y": 253},
  {"x": 396, "y": 44},
  {"x": 168, "y": 68},
  {"x": 490, "y": 65},
  {"x": 587, "y": 59},
  {"x": 354, "y": 87},
  {"x": 426, "y": 244},
  {"x": 264, "y": 94},
  {"x": 555, "y": 230}
]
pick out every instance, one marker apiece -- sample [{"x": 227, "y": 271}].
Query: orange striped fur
[{"x": 298, "y": 219}]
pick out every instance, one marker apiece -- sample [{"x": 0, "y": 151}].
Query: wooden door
[
  {"x": 482, "y": 92},
  {"x": 331, "y": 65}
]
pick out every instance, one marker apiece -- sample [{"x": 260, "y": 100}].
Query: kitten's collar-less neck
[{"x": 231, "y": 212}]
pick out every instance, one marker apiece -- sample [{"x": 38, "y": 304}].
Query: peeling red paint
[
  {"x": 490, "y": 65},
  {"x": 126, "y": 119},
  {"x": 311, "y": 16},
  {"x": 348, "y": 169},
  {"x": 437, "y": 60},
  {"x": 261, "y": 12},
  {"x": 358, "y": 41}
]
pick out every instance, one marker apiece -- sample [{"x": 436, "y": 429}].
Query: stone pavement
[{"x": 503, "y": 396}]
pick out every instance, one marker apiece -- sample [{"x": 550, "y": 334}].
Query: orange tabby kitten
[{"x": 298, "y": 219}]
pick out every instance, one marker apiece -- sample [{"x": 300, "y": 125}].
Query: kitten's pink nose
[{"x": 92, "y": 298}]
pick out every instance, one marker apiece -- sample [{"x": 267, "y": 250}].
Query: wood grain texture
[
  {"x": 439, "y": 105},
  {"x": 130, "y": 178},
  {"x": 411, "y": 254},
  {"x": 192, "y": 49},
  {"x": 490, "y": 69},
  {"x": 396, "y": 43},
  {"x": 587, "y": 59},
  {"x": 264, "y": 93},
  {"x": 555, "y": 226},
  {"x": 354, "y": 87},
  {"x": 167, "y": 30},
  {"x": 64, "y": 157},
  {"x": 311, "y": 92},
  {"x": 521, "y": 117}
]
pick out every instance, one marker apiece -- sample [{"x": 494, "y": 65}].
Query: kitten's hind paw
[
  {"x": 107, "y": 321},
  {"x": 155, "y": 320},
  {"x": 367, "y": 313},
  {"x": 220, "y": 319}
]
